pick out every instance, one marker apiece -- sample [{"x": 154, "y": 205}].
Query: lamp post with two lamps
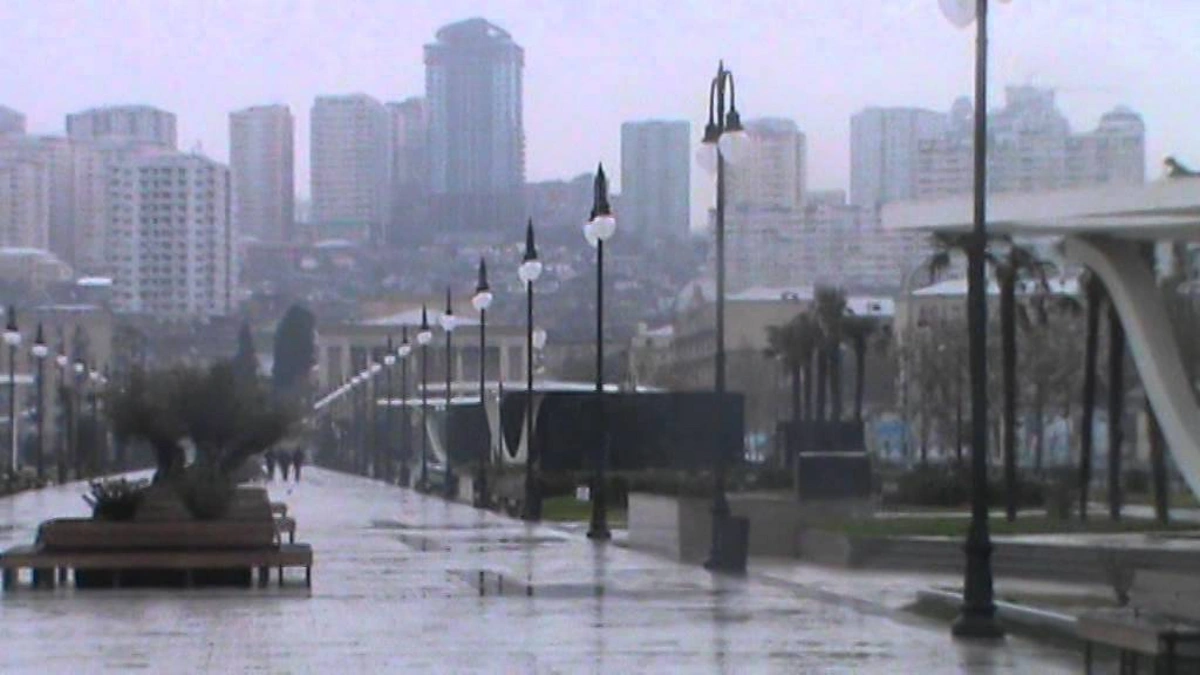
[
  {"x": 403, "y": 352},
  {"x": 528, "y": 272},
  {"x": 424, "y": 337},
  {"x": 12, "y": 338},
  {"x": 481, "y": 301},
  {"x": 40, "y": 352},
  {"x": 448, "y": 322},
  {"x": 724, "y": 131},
  {"x": 601, "y": 225},
  {"x": 64, "y": 432},
  {"x": 389, "y": 362}
]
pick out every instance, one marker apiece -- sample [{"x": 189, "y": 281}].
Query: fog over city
[{"x": 592, "y": 65}]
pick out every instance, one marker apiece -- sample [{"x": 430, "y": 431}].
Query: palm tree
[
  {"x": 1094, "y": 294},
  {"x": 858, "y": 331},
  {"x": 1116, "y": 406},
  {"x": 829, "y": 305},
  {"x": 795, "y": 343}
]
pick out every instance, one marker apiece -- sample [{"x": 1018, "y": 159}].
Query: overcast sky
[{"x": 591, "y": 64}]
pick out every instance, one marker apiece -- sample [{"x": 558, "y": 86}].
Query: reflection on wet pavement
[{"x": 406, "y": 583}]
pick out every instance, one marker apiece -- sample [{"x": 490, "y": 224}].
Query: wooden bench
[
  {"x": 187, "y": 545},
  {"x": 279, "y": 509},
  {"x": 1162, "y": 621}
]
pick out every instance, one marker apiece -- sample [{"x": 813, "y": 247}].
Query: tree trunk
[
  {"x": 958, "y": 428},
  {"x": 1116, "y": 400},
  {"x": 796, "y": 393},
  {"x": 860, "y": 374},
  {"x": 1158, "y": 468},
  {"x": 835, "y": 383},
  {"x": 808, "y": 387},
  {"x": 1008, "y": 331},
  {"x": 1039, "y": 428},
  {"x": 1089, "y": 394}
]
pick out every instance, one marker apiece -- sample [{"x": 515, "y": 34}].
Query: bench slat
[{"x": 287, "y": 555}]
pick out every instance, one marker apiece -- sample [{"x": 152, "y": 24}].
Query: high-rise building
[
  {"x": 24, "y": 204},
  {"x": 1031, "y": 148},
  {"x": 351, "y": 164},
  {"x": 171, "y": 236},
  {"x": 656, "y": 177},
  {"x": 883, "y": 152},
  {"x": 772, "y": 172},
  {"x": 261, "y": 164},
  {"x": 11, "y": 121},
  {"x": 473, "y": 90},
  {"x": 124, "y": 124},
  {"x": 56, "y": 156},
  {"x": 410, "y": 166}
]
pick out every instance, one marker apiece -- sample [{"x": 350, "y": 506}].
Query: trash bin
[{"x": 731, "y": 544}]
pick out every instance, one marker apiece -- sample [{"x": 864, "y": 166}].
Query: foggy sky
[{"x": 592, "y": 64}]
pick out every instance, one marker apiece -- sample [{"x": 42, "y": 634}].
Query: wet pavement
[{"x": 408, "y": 583}]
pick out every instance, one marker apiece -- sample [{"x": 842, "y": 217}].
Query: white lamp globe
[
  {"x": 40, "y": 350},
  {"x": 589, "y": 233},
  {"x": 375, "y": 368},
  {"x": 529, "y": 271},
  {"x": 539, "y": 338},
  {"x": 706, "y": 157},
  {"x": 404, "y": 351},
  {"x": 448, "y": 322},
  {"x": 12, "y": 338},
  {"x": 424, "y": 337},
  {"x": 603, "y": 227},
  {"x": 61, "y": 360},
  {"x": 482, "y": 300},
  {"x": 389, "y": 360},
  {"x": 734, "y": 146}
]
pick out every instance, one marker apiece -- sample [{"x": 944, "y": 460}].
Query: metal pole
[
  {"x": 598, "y": 528},
  {"x": 405, "y": 416},
  {"x": 95, "y": 436},
  {"x": 424, "y": 416},
  {"x": 41, "y": 423},
  {"x": 532, "y": 508},
  {"x": 12, "y": 409},
  {"x": 389, "y": 461},
  {"x": 482, "y": 490},
  {"x": 720, "y": 506},
  {"x": 64, "y": 440},
  {"x": 449, "y": 475},
  {"x": 977, "y": 617}
]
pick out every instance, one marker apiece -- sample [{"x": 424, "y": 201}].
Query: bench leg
[
  {"x": 308, "y": 576},
  {"x": 62, "y": 576},
  {"x": 292, "y": 536},
  {"x": 264, "y": 574},
  {"x": 10, "y": 579},
  {"x": 1169, "y": 656},
  {"x": 281, "y": 576},
  {"x": 1087, "y": 658},
  {"x": 188, "y": 579}
]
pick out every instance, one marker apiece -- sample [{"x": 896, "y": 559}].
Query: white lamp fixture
[
  {"x": 375, "y": 368},
  {"x": 539, "y": 338},
  {"x": 61, "y": 360},
  {"x": 40, "y": 350},
  {"x": 531, "y": 267},
  {"x": 483, "y": 292},
  {"x": 389, "y": 360},
  {"x": 79, "y": 367},
  {"x": 447, "y": 320},
  {"x": 404, "y": 350},
  {"x": 424, "y": 335}
]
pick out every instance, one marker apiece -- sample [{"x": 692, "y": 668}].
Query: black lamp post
[
  {"x": 448, "y": 322},
  {"x": 12, "y": 338},
  {"x": 404, "y": 351},
  {"x": 481, "y": 301},
  {"x": 424, "y": 336},
  {"x": 93, "y": 387},
  {"x": 528, "y": 272},
  {"x": 64, "y": 441},
  {"x": 40, "y": 351},
  {"x": 724, "y": 131},
  {"x": 80, "y": 369},
  {"x": 599, "y": 228},
  {"x": 372, "y": 395},
  {"x": 977, "y": 618},
  {"x": 389, "y": 361}
]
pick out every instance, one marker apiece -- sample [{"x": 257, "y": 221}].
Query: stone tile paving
[{"x": 407, "y": 583}]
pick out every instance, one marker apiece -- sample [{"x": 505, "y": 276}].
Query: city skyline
[{"x": 237, "y": 56}]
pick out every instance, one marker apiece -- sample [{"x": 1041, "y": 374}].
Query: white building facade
[
  {"x": 350, "y": 171},
  {"x": 656, "y": 177},
  {"x": 261, "y": 161}
]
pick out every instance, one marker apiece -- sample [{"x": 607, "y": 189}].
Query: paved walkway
[{"x": 406, "y": 583}]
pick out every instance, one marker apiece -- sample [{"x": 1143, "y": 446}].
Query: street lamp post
[
  {"x": 724, "y": 131},
  {"x": 40, "y": 351},
  {"x": 424, "y": 336},
  {"x": 60, "y": 453},
  {"x": 977, "y": 618},
  {"x": 389, "y": 361},
  {"x": 528, "y": 272},
  {"x": 372, "y": 393},
  {"x": 12, "y": 338},
  {"x": 599, "y": 228},
  {"x": 80, "y": 369},
  {"x": 481, "y": 301},
  {"x": 404, "y": 351},
  {"x": 448, "y": 322},
  {"x": 93, "y": 396}
]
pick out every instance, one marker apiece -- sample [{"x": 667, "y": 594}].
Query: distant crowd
[{"x": 287, "y": 460}]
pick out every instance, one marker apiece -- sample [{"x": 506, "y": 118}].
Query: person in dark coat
[
  {"x": 285, "y": 460},
  {"x": 297, "y": 461},
  {"x": 269, "y": 456}
]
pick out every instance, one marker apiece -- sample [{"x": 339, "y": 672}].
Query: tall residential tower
[
  {"x": 351, "y": 161},
  {"x": 656, "y": 177},
  {"x": 261, "y": 162}
]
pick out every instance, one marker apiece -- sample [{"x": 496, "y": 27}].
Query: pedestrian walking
[
  {"x": 297, "y": 462},
  {"x": 269, "y": 456},
  {"x": 285, "y": 459}
]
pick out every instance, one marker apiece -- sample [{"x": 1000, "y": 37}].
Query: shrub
[
  {"x": 950, "y": 486},
  {"x": 206, "y": 491},
  {"x": 116, "y": 499}
]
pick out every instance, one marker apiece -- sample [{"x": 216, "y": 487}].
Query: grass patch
[
  {"x": 569, "y": 509},
  {"x": 957, "y": 527}
]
